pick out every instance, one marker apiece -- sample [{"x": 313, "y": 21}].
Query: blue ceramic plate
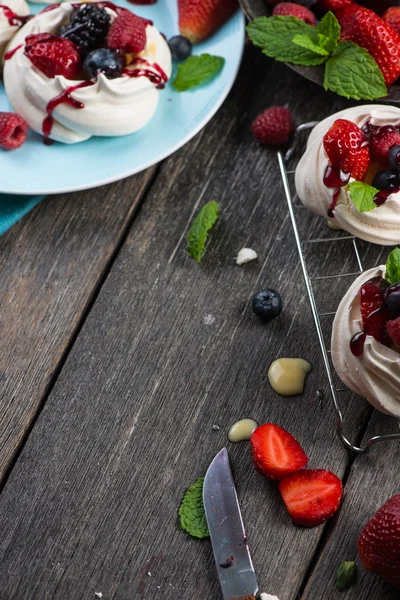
[{"x": 39, "y": 169}]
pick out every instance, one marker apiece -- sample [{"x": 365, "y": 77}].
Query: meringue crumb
[
  {"x": 149, "y": 574},
  {"x": 245, "y": 255},
  {"x": 98, "y": 594},
  {"x": 268, "y": 597}
]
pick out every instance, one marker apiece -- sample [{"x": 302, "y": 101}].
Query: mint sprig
[
  {"x": 191, "y": 511},
  {"x": 197, "y": 70},
  {"x": 393, "y": 267},
  {"x": 346, "y": 575},
  {"x": 362, "y": 195},
  {"x": 349, "y": 70},
  {"x": 199, "y": 229}
]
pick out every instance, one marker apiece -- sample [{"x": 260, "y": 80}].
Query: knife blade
[{"x": 232, "y": 556}]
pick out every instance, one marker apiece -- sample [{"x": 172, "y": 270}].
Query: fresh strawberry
[
  {"x": 379, "y": 542},
  {"x": 275, "y": 452},
  {"x": 127, "y": 34},
  {"x": 333, "y": 5},
  {"x": 273, "y": 126},
  {"x": 53, "y": 55},
  {"x": 371, "y": 298},
  {"x": 392, "y": 18},
  {"x": 289, "y": 9},
  {"x": 311, "y": 496},
  {"x": 198, "y": 19},
  {"x": 393, "y": 329},
  {"x": 381, "y": 141},
  {"x": 13, "y": 130},
  {"x": 365, "y": 28},
  {"x": 343, "y": 147}
]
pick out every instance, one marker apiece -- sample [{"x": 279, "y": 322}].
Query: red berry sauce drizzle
[
  {"x": 334, "y": 178},
  {"x": 11, "y": 52},
  {"x": 63, "y": 98},
  {"x": 13, "y": 19}
]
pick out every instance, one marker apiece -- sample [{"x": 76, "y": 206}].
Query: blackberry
[{"x": 88, "y": 28}]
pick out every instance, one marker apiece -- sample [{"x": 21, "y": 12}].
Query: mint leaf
[
  {"x": 199, "y": 229},
  {"x": 305, "y": 42},
  {"x": 275, "y": 36},
  {"x": 353, "y": 73},
  {"x": 346, "y": 575},
  {"x": 191, "y": 511},
  {"x": 362, "y": 195},
  {"x": 196, "y": 70},
  {"x": 329, "y": 30},
  {"x": 393, "y": 266}
]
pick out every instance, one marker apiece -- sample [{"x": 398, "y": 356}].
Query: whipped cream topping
[
  {"x": 376, "y": 373},
  {"x": 7, "y": 29},
  {"x": 111, "y": 107},
  {"x": 380, "y": 225}
]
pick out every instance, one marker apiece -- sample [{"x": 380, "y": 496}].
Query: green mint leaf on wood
[
  {"x": 305, "y": 42},
  {"x": 199, "y": 229},
  {"x": 346, "y": 575},
  {"x": 197, "y": 70},
  {"x": 191, "y": 511},
  {"x": 362, "y": 195},
  {"x": 275, "y": 36},
  {"x": 328, "y": 30},
  {"x": 353, "y": 73},
  {"x": 393, "y": 267}
]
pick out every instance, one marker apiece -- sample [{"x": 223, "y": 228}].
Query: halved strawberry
[
  {"x": 393, "y": 329},
  {"x": 343, "y": 144},
  {"x": 382, "y": 140},
  {"x": 198, "y": 19},
  {"x": 275, "y": 452},
  {"x": 311, "y": 496},
  {"x": 357, "y": 165},
  {"x": 53, "y": 55}
]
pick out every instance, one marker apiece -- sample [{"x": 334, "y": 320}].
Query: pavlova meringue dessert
[
  {"x": 350, "y": 172},
  {"x": 78, "y": 70},
  {"x": 366, "y": 336},
  {"x": 13, "y": 15}
]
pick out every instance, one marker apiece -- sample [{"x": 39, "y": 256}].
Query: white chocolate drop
[
  {"x": 287, "y": 375},
  {"x": 245, "y": 255},
  {"x": 242, "y": 430}
]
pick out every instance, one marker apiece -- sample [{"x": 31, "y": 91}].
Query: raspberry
[
  {"x": 53, "y": 55},
  {"x": 383, "y": 139},
  {"x": 393, "y": 329},
  {"x": 127, "y": 34},
  {"x": 273, "y": 126},
  {"x": 13, "y": 130},
  {"x": 371, "y": 297},
  {"x": 87, "y": 28},
  {"x": 290, "y": 9},
  {"x": 392, "y": 18}
]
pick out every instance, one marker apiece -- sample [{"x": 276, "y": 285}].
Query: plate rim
[{"x": 203, "y": 122}]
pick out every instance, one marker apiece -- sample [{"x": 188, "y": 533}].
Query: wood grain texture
[
  {"x": 373, "y": 480},
  {"x": 50, "y": 264},
  {"x": 169, "y": 350}
]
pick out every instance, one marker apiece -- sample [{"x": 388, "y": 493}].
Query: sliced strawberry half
[
  {"x": 275, "y": 452},
  {"x": 311, "y": 496},
  {"x": 198, "y": 19},
  {"x": 345, "y": 149},
  {"x": 53, "y": 55}
]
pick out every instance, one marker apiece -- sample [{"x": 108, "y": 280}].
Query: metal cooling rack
[{"x": 291, "y": 202}]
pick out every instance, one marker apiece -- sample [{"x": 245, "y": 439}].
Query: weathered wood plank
[
  {"x": 169, "y": 349},
  {"x": 50, "y": 264},
  {"x": 374, "y": 478}
]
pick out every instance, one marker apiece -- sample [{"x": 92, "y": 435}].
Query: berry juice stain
[
  {"x": 13, "y": 19},
  {"x": 357, "y": 343},
  {"x": 159, "y": 79}
]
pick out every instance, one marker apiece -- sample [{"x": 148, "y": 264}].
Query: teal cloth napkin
[{"x": 13, "y": 208}]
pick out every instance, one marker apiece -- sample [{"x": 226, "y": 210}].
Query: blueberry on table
[
  {"x": 104, "y": 61},
  {"x": 394, "y": 157},
  {"x": 180, "y": 47},
  {"x": 267, "y": 304}
]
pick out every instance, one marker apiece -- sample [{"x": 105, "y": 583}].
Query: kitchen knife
[{"x": 232, "y": 557}]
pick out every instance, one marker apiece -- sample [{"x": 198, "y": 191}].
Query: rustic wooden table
[{"x": 120, "y": 353}]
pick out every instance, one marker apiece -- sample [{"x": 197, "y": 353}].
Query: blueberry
[
  {"x": 387, "y": 179},
  {"x": 104, "y": 61},
  {"x": 180, "y": 47},
  {"x": 267, "y": 304},
  {"x": 392, "y": 300},
  {"x": 394, "y": 157}
]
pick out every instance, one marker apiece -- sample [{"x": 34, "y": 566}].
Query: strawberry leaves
[{"x": 350, "y": 71}]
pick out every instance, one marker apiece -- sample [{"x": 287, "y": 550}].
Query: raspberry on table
[
  {"x": 290, "y": 9},
  {"x": 273, "y": 126},
  {"x": 127, "y": 34},
  {"x": 13, "y": 130},
  {"x": 88, "y": 28}
]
